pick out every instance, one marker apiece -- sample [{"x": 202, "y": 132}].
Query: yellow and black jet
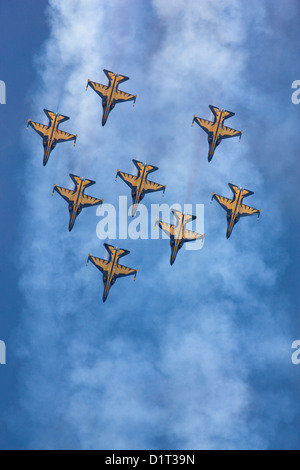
[
  {"x": 216, "y": 130},
  {"x": 111, "y": 269},
  {"x": 178, "y": 233},
  {"x": 110, "y": 94},
  {"x": 139, "y": 184},
  {"x": 77, "y": 199},
  {"x": 51, "y": 134},
  {"x": 234, "y": 207}
]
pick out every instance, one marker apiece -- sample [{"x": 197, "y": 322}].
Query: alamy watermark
[
  {"x": 296, "y": 94},
  {"x": 2, "y": 353},
  {"x": 296, "y": 353},
  {"x": 117, "y": 223},
  {"x": 2, "y": 92}
]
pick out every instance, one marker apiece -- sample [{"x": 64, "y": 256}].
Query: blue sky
[{"x": 197, "y": 356}]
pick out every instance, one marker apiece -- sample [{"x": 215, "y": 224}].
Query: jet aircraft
[
  {"x": 139, "y": 184},
  {"x": 76, "y": 199},
  {"x": 111, "y": 269},
  {"x": 51, "y": 134},
  {"x": 216, "y": 130},
  {"x": 234, "y": 207},
  {"x": 110, "y": 94},
  {"x": 178, "y": 233}
]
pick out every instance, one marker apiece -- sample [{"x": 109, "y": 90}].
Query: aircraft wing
[
  {"x": 101, "y": 90},
  {"x": 88, "y": 201},
  {"x": 227, "y": 132},
  {"x": 67, "y": 194},
  {"x": 207, "y": 126},
  {"x": 130, "y": 180},
  {"x": 121, "y": 96},
  {"x": 167, "y": 228},
  {"x": 101, "y": 264},
  {"x": 151, "y": 187},
  {"x": 190, "y": 236},
  {"x": 42, "y": 130},
  {"x": 122, "y": 271},
  {"x": 61, "y": 136},
  {"x": 246, "y": 211},
  {"x": 224, "y": 202}
]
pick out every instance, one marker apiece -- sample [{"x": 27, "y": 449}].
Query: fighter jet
[
  {"x": 139, "y": 184},
  {"x": 51, "y": 134},
  {"x": 178, "y": 233},
  {"x": 216, "y": 130},
  {"x": 77, "y": 199},
  {"x": 110, "y": 94},
  {"x": 235, "y": 208},
  {"x": 111, "y": 269}
]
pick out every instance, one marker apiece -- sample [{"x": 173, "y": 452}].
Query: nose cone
[
  {"x": 229, "y": 231},
  {"x": 134, "y": 209},
  {"x": 105, "y": 292}
]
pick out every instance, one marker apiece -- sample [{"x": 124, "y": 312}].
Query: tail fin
[
  {"x": 139, "y": 165},
  {"x": 189, "y": 218},
  {"x": 233, "y": 188}
]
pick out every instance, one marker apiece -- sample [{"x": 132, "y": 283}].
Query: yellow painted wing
[
  {"x": 227, "y": 132},
  {"x": 101, "y": 90},
  {"x": 122, "y": 271},
  {"x": 207, "y": 126},
  {"x": 167, "y": 228},
  {"x": 150, "y": 187},
  {"x": 61, "y": 136},
  {"x": 121, "y": 96},
  {"x": 88, "y": 201},
  {"x": 67, "y": 194},
  {"x": 101, "y": 264},
  {"x": 246, "y": 210},
  {"x": 130, "y": 180},
  {"x": 227, "y": 204},
  {"x": 42, "y": 130}
]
